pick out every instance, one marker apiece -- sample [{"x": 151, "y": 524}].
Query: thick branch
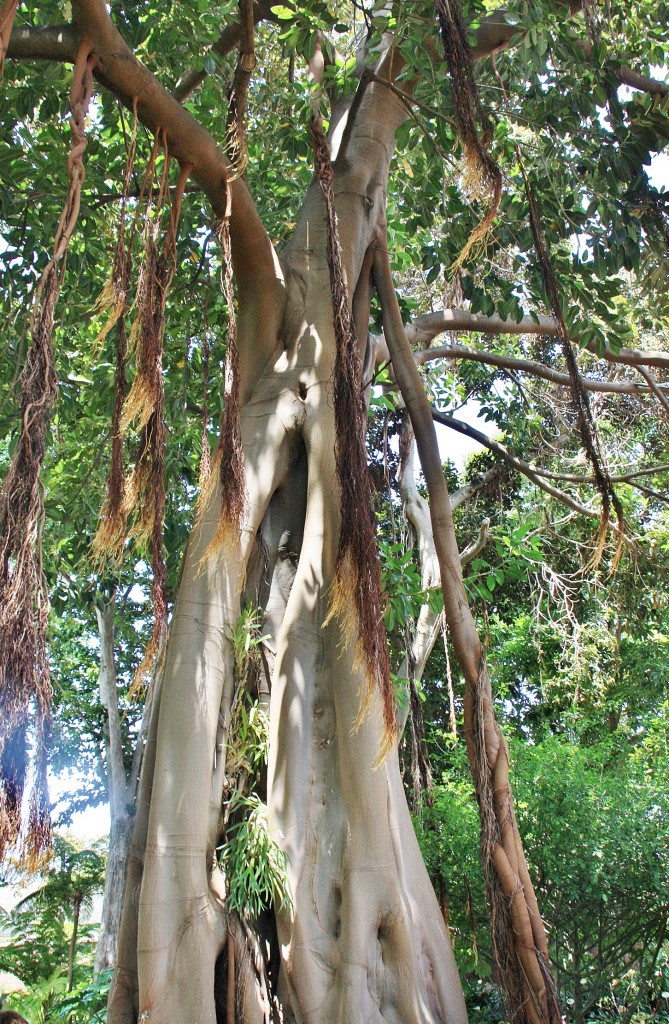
[
  {"x": 52, "y": 42},
  {"x": 119, "y": 70},
  {"x": 425, "y": 328}
]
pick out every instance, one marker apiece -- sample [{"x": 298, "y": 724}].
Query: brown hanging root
[
  {"x": 236, "y": 144},
  {"x": 146, "y": 487},
  {"x": 205, "y": 457},
  {"x": 474, "y": 126},
  {"x": 586, "y": 422},
  {"x": 147, "y": 330},
  {"x": 7, "y": 13},
  {"x": 357, "y": 587},
  {"x": 24, "y": 606},
  {"x": 230, "y": 455},
  {"x": 13, "y": 769},
  {"x": 110, "y": 536},
  {"x": 421, "y": 773}
]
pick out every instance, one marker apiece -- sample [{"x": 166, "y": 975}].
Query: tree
[
  {"x": 285, "y": 522},
  {"x": 46, "y": 923}
]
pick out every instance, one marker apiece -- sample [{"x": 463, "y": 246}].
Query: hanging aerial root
[
  {"x": 24, "y": 606},
  {"x": 7, "y": 13},
  {"x": 13, "y": 771},
  {"x": 357, "y": 588},
  {"x": 110, "y": 536},
  {"x": 145, "y": 491},
  {"x": 204, "y": 475},
  {"x": 587, "y": 426},
  {"x": 114, "y": 295},
  {"x": 483, "y": 177},
  {"x": 230, "y": 455},
  {"x": 147, "y": 329},
  {"x": 36, "y": 846},
  {"x": 236, "y": 140},
  {"x": 421, "y": 773}
]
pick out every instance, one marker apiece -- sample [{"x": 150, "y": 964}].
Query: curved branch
[
  {"x": 468, "y": 491},
  {"x": 620, "y": 478},
  {"x": 539, "y": 476},
  {"x": 534, "y": 368},
  {"x": 523, "y": 467},
  {"x": 424, "y": 328},
  {"x": 476, "y": 546},
  {"x": 188, "y": 142}
]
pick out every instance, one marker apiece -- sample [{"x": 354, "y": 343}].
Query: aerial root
[
  {"x": 231, "y": 469},
  {"x": 482, "y": 176},
  {"x": 357, "y": 586},
  {"x": 24, "y": 605}
]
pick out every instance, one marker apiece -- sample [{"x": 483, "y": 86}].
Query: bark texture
[
  {"x": 364, "y": 939},
  {"x": 121, "y": 794}
]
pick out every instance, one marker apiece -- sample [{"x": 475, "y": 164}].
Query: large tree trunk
[{"x": 364, "y": 939}]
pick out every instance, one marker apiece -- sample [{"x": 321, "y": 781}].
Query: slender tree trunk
[
  {"x": 76, "y": 911},
  {"x": 120, "y": 799}
]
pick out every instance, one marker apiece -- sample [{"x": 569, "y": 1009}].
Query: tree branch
[
  {"x": 424, "y": 328},
  {"x": 540, "y": 476},
  {"x": 476, "y": 546},
  {"x": 226, "y": 42},
  {"x": 519, "y": 464},
  {"x": 468, "y": 491},
  {"x": 535, "y": 368},
  {"x": 495, "y": 33},
  {"x": 51, "y": 42},
  {"x": 656, "y": 388},
  {"x": 119, "y": 71}
]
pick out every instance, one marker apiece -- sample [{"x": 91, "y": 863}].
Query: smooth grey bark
[
  {"x": 364, "y": 940},
  {"x": 120, "y": 792}
]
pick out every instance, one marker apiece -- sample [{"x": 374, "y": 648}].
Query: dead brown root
[
  {"x": 483, "y": 175},
  {"x": 357, "y": 596},
  {"x": 24, "y": 606}
]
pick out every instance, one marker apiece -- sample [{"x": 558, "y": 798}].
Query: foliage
[
  {"x": 48, "y": 1001},
  {"x": 254, "y": 866},
  {"x": 44, "y": 926}
]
